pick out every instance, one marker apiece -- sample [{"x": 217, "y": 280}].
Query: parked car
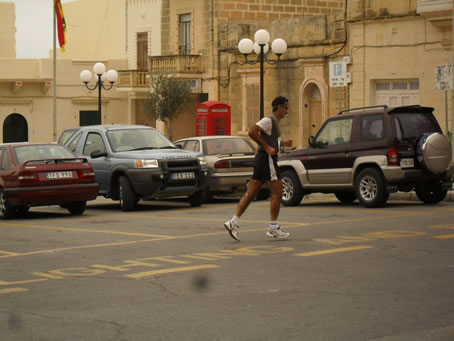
[
  {"x": 230, "y": 162},
  {"x": 133, "y": 162},
  {"x": 367, "y": 153},
  {"x": 34, "y": 174}
]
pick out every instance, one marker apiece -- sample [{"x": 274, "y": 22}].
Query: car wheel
[
  {"x": 23, "y": 209},
  {"x": 126, "y": 194},
  {"x": 77, "y": 207},
  {"x": 345, "y": 196},
  {"x": 263, "y": 194},
  {"x": 431, "y": 194},
  {"x": 207, "y": 196},
  {"x": 6, "y": 211},
  {"x": 292, "y": 191},
  {"x": 370, "y": 188},
  {"x": 196, "y": 199}
]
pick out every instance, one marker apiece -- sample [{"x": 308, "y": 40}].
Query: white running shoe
[
  {"x": 276, "y": 232},
  {"x": 233, "y": 229}
]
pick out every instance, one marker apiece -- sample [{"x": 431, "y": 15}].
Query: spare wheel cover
[{"x": 434, "y": 152}]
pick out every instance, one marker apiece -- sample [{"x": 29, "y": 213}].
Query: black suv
[{"x": 367, "y": 153}]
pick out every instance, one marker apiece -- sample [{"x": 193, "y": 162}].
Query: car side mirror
[
  {"x": 97, "y": 153},
  {"x": 311, "y": 141}
]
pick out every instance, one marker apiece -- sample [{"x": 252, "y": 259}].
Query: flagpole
[{"x": 54, "y": 83}]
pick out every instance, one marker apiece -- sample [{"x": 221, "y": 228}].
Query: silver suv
[
  {"x": 133, "y": 162},
  {"x": 367, "y": 153}
]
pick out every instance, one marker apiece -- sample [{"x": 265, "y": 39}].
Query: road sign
[
  {"x": 443, "y": 77},
  {"x": 337, "y": 74}
]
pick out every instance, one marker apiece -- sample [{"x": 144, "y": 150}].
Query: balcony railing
[
  {"x": 175, "y": 64},
  {"x": 133, "y": 79}
]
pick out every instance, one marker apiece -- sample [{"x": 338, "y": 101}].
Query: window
[
  {"x": 94, "y": 142},
  {"x": 5, "y": 160},
  {"x": 335, "y": 132},
  {"x": 252, "y": 104},
  {"x": 192, "y": 146},
  {"x": 73, "y": 145},
  {"x": 372, "y": 127},
  {"x": 185, "y": 33},
  {"x": 394, "y": 93},
  {"x": 142, "y": 51}
]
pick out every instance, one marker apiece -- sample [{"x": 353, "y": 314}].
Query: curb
[{"x": 406, "y": 196}]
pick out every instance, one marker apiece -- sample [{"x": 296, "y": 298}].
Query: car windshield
[
  {"x": 410, "y": 126},
  {"x": 137, "y": 139},
  {"x": 41, "y": 152},
  {"x": 227, "y": 146}
]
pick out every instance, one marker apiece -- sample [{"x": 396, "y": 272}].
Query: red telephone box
[{"x": 212, "y": 118}]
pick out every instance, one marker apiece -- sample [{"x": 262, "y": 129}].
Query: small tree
[{"x": 167, "y": 98}]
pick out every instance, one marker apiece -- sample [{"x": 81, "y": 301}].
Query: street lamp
[
  {"x": 100, "y": 71},
  {"x": 260, "y": 47}
]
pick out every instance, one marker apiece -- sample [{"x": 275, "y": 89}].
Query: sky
[{"x": 34, "y": 20}]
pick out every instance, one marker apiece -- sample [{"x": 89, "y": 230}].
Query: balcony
[
  {"x": 175, "y": 64},
  {"x": 133, "y": 79}
]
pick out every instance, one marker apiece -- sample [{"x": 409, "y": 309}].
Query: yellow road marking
[
  {"x": 166, "y": 271},
  {"x": 11, "y": 290},
  {"x": 445, "y": 236},
  {"x": 8, "y": 253},
  {"x": 341, "y": 249},
  {"x": 443, "y": 226}
]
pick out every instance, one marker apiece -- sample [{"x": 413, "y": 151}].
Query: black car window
[
  {"x": 94, "y": 142},
  {"x": 372, "y": 127},
  {"x": 5, "y": 160},
  {"x": 409, "y": 126},
  {"x": 335, "y": 132}
]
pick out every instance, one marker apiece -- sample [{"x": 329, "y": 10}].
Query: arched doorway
[
  {"x": 312, "y": 110},
  {"x": 15, "y": 129}
]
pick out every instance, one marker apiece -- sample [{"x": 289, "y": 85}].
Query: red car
[{"x": 35, "y": 174}]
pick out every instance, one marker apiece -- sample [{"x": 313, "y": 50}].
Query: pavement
[{"x": 401, "y": 196}]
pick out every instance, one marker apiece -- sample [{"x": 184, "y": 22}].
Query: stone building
[{"x": 389, "y": 48}]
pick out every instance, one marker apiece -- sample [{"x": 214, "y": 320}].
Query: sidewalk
[{"x": 403, "y": 196}]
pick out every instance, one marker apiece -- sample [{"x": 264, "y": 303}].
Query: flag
[{"x": 61, "y": 25}]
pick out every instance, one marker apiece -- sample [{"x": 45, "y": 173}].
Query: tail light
[
  {"x": 222, "y": 164},
  {"x": 392, "y": 157},
  {"x": 86, "y": 174},
  {"x": 28, "y": 177}
]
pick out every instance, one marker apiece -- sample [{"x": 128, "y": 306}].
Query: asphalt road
[{"x": 171, "y": 272}]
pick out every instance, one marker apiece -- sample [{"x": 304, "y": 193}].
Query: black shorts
[{"x": 265, "y": 167}]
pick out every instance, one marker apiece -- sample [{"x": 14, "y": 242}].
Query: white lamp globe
[
  {"x": 257, "y": 48},
  {"x": 112, "y": 76},
  {"x": 279, "y": 46},
  {"x": 99, "y": 68},
  {"x": 245, "y": 46},
  {"x": 85, "y": 76},
  {"x": 262, "y": 37}
]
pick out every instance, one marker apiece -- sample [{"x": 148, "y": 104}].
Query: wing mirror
[
  {"x": 311, "y": 141},
  {"x": 97, "y": 153}
]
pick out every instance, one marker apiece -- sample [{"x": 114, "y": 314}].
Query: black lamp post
[
  {"x": 262, "y": 37},
  {"x": 100, "y": 71}
]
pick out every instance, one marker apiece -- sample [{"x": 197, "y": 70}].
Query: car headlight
[
  {"x": 203, "y": 160},
  {"x": 147, "y": 164}
]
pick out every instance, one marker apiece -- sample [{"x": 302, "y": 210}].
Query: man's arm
[{"x": 254, "y": 133}]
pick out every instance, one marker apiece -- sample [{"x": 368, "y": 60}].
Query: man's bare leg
[
  {"x": 276, "y": 195},
  {"x": 252, "y": 191}
]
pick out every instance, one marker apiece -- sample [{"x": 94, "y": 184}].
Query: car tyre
[
  {"x": 370, "y": 188},
  {"x": 292, "y": 191},
  {"x": 196, "y": 199},
  {"x": 263, "y": 194},
  {"x": 207, "y": 196},
  {"x": 77, "y": 207},
  {"x": 126, "y": 194},
  {"x": 6, "y": 210},
  {"x": 345, "y": 196},
  {"x": 431, "y": 194}
]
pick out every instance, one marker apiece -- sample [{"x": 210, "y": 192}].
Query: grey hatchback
[{"x": 133, "y": 162}]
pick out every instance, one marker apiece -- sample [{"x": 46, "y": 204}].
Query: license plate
[
  {"x": 407, "y": 163},
  {"x": 59, "y": 175},
  {"x": 182, "y": 175}
]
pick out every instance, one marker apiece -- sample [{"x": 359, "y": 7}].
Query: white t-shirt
[{"x": 266, "y": 124}]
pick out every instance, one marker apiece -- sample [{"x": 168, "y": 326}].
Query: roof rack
[{"x": 384, "y": 106}]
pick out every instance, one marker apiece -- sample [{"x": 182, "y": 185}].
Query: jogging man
[{"x": 267, "y": 134}]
